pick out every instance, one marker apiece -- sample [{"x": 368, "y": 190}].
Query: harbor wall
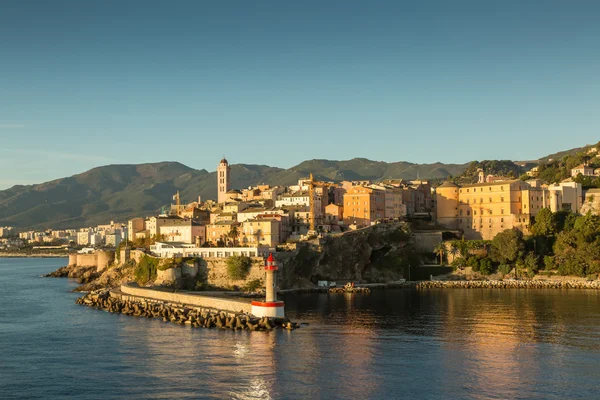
[{"x": 195, "y": 300}]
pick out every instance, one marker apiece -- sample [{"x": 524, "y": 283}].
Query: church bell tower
[{"x": 223, "y": 180}]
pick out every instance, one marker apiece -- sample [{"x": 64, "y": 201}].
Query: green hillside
[{"x": 119, "y": 192}]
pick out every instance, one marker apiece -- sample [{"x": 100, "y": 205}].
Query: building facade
[
  {"x": 363, "y": 206},
  {"x": 483, "y": 210}
]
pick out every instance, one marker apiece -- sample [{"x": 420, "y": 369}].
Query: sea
[{"x": 390, "y": 344}]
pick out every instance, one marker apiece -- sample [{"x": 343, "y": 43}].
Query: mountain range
[{"x": 120, "y": 192}]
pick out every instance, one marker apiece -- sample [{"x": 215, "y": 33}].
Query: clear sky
[{"x": 88, "y": 83}]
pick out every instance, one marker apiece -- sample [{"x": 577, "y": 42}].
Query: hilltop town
[{"x": 258, "y": 219}]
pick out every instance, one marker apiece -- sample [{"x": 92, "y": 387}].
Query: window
[
  {"x": 474, "y": 212},
  {"x": 460, "y": 213},
  {"x": 468, "y": 212},
  {"x": 502, "y": 211},
  {"x": 481, "y": 200},
  {"x": 501, "y": 219},
  {"x": 502, "y": 199},
  {"x": 490, "y": 199}
]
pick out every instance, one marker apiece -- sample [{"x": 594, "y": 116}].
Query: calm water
[{"x": 392, "y": 344}]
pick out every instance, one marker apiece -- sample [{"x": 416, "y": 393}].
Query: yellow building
[
  {"x": 334, "y": 214},
  {"x": 483, "y": 210},
  {"x": 363, "y": 205},
  {"x": 260, "y": 231},
  {"x": 220, "y": 231}
]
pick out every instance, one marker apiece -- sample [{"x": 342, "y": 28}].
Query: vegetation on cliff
[
  {"x": 238, "y": 266},
  {"x": 559, "y": 169},
  {"x": 145, "y": 271},
  {"x": 563, "y": 242}
]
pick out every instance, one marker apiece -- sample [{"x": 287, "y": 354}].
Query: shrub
[
  {"x": 473, "y": 262},
  {"x": 238, "y": 267},
  {"x": 145, "y": 271},
  {"x": 253, "y": 285},
  {"x": 459, "y": 262},
  {"x": 504, "y": 269},
  {"x": 548, "y": 263},
  {"x": 485, "y": 266}
]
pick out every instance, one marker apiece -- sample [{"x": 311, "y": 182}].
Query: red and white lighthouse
[{"x": 271, "y": 307}]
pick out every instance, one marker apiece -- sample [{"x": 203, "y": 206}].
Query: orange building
[{"x": 363, "y": 205}]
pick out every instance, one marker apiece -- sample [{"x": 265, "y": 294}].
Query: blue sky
[{"x": 85, "y": 83}]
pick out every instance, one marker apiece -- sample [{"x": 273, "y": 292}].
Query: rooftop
[{"x": 498, "y": 183}]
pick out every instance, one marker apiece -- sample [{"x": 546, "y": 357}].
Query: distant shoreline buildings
[{"x": 268, "y": 216}]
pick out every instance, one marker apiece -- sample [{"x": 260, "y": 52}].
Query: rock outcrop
[{"x": 377, "y": 254}]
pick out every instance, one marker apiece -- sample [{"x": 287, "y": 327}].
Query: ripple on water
[{"x": 389, "y": 344}]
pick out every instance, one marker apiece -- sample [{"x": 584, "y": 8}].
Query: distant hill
[{"x": 119, "y": 192}]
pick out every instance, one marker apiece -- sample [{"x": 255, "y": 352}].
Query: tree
[
  {"x": 507, "y": 246},
  {"x": 485, "y": 266},
  {"x": 234, "y": 233},
  {"x": 440, "y": 250},
  {"x": 545, "y": 223},
  {"x": 238, "y": 267}
]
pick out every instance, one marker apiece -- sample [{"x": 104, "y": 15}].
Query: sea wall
[
  {"x": 196, "y": 317},
  {"x": 184, "y": 298},
  {"x": 511, "y": 284}
]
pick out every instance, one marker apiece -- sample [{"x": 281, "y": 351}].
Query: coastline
[
  {"x": 466, "y": 284},
  {"x": 40, "y": 255}
]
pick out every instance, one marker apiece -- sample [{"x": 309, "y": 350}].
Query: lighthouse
[{"x": 271, "y": 307}]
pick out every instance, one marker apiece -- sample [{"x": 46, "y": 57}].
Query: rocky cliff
[{"x": 381, "y": 253}]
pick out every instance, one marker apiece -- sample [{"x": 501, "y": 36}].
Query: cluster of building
[
  {"x": 248, "y": 221},
  {"x": 484, "y": 209},
  {"x": 108, "y": 235},
  {"x": 266, "y": 216}
]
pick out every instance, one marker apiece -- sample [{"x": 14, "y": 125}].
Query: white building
[
  {"x": 170, "y": 250},
  {"x": 182, "y": 230},
  {"x": 83, "y": 238}
]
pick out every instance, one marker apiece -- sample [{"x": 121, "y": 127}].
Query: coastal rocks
[
  {"x": 510, "y": 284},
  {"x": 180, "y": 314},
  {"x": 371, "y": 254},
  {"x": 349, "y": 288},
  {"x": 60, "y": 273}
]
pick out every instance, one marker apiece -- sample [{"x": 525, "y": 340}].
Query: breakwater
[
  {"x": 197, "y": 317},
  {"x": 510, "y": 284},
  {"x": 33, "y": 255}
]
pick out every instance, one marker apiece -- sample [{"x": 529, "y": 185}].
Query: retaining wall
[{"x": 216, "y": 272}]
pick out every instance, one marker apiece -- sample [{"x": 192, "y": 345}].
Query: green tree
[
  {"x": 238, "y": 267},
  {"x": 440, "y": 250},
  {"x": 485, "y": 266},
  {"x": 545, "y": 223},
  {"x": 507, "y": 246},
  {"x": 234, "y": 234}
]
